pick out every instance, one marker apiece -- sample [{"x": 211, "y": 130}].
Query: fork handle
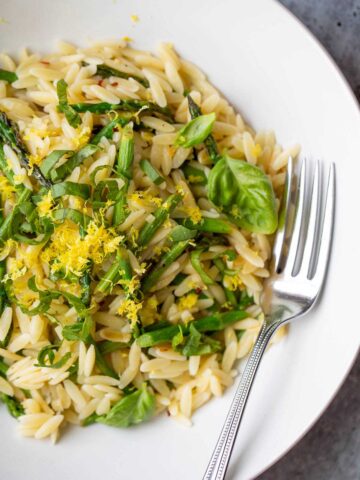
[{"x": 220, "y": 458}]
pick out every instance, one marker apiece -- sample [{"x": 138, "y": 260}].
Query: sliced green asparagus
[
  {"x": 210, "y": 142},
  {"x": 211, "y": 323},
  {"x": 105, "y": 71},
  {"x": 10, "y": 135},
  {"x": 160, "y": 216}
]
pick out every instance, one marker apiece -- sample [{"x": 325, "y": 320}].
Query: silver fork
[{"x": 300, "y": 258}]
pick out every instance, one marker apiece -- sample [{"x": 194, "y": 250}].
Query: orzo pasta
[{"x": 137, "y": 213}]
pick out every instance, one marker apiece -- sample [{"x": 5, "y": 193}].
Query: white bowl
[{"x": 273, "y": 70}]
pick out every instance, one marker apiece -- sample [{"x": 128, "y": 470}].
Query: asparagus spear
[
  {"x": 123, "y": 169},
  {"x": 168, "y": 258},
  {"x": 8, "y": 76},
  {"x": 105, "y": 71},
  {"x": 209, "y": 141},
  {"x": 196, "y": 263},
  {"x": 10, "y": 135},
  {"x": 151, "y": 172},
  {"x": 6, "y": 226},
  {"x": 161, "y": 214},
  {"x": 85, "y": 281},
  {"x": 230, "y": 295},
  {"x": 120, "y": 269},
  {"x": 9, "y": 174},
  {"x": 209, "y": 225},
  {"x": 212, "y": 323},
  {"x": 108, "y": 130},
  {"x": 123, "y": 105},
  {"x": 126, "y": 153}
]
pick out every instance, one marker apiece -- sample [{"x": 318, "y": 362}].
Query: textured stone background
[{"x": 331, "y": 450}]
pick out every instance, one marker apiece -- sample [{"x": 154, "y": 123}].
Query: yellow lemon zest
[
  {"x": 8, "y": 246},
  {"x": 130, "y": 309},
  {"x": 180, "y": 190},
  {"x": 130, "y": 285},
  {"x": 19, "y": 178},
  {"x": 256, "y": 150},
  {"x": 187, "y": 302},
  {"x": 46, "y": 204},
  {"x": 144, "y": 198},
  {"x": 15, "y": 269},
  {"x": 232, "y": 282},
  {"x": 149, "y": 313},
  {"x": 70, "y": 252},
  {"x": 6, "y": 189},
  {"x": 82, "y": 137},
  {"x": 194, "y": 214},
  {"x": 134, "y": 235}
]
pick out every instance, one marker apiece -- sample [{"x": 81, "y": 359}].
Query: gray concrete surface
[{"x": 331, "y": 450}]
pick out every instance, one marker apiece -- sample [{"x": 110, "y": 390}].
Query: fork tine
[
  {"x": 296, "y": 233},
  {"x": 326, "y": 231},
  {"x": 313, "y": 224},
  {"x": 283, "y": 217}
]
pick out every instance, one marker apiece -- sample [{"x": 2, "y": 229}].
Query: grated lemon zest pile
[
  {"x": 70, "y": 252},
  {"x": 129, "y": 309},
  {"x": 130, "y": 285}
]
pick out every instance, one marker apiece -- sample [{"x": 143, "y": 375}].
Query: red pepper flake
[
  {"x": 198, "y": 291},
  {"x": 114, "y": 84},
  {"x": 100, "y": 82},
  {"x": 44, "y": 62}
]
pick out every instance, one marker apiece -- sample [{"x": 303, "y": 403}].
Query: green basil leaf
[
  {"x": 107, "y": 346},
  {"x": 177, "y": 339},
  {"x": 8, "y": 76},
  {"x": 198, "y": 344},
  {"x": 74, "y": 161},
  {"x": 74, "y": 215},
  {"x": 130, "y": 410},
  {"x": 180, "y": 233},
  {"x": 196, "y": 131},
  {"x": 71, "y": 115},
  {"x": 46, "y": 357},
  {"x": 245, "y": 193},
  {"x": 71, "y": 188},
  {"x": 51, "y": 160}
]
